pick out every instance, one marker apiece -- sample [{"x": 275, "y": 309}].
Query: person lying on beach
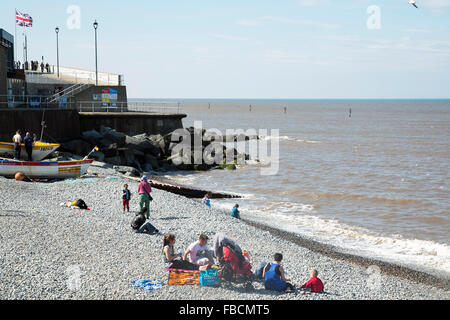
[
  {"x": 314, "y": 284},
  {"x": 174, "y": 260},
  {"x": 206, "y": 200},
  {"x": 198, "y": 252},
  {"x": 140, "y": 225},
  {"x": 273, "y": 275},
  {"x": 76, "y": 204},
  {"x": 235, "y": 212}
]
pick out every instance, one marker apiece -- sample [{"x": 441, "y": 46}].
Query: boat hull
[
  {"x": 45, "y": 169},
  {"x": 40, "y": 150}
]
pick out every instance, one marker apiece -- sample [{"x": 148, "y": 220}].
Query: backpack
[
  {"x": 225, "y": 271},
  {"x": 81, "y": 204}
]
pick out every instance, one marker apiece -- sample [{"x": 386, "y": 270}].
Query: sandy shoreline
[{"x": 44, "y": 246}]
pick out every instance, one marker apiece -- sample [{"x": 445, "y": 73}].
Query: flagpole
[{"x": 15, "y": 35}]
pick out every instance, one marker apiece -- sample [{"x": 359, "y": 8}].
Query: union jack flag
[{"x": 23, "y": 19}]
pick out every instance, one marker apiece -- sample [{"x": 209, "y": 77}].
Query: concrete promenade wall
[
  {"x": 132, "y": 123},
  {"x": 62, "y": 125},
  {"x": 67, "y": 124}
]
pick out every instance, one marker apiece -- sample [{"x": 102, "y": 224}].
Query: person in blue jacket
[
  {"x": 235, "y": 212},
  {"x": 273, "y": 275}
]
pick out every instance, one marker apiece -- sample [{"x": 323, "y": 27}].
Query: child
[
  {"x": 126, "y": 196},
  {"x": 273, "y": 275},
  {"x": 235, "y": 212},
  {"x": 206, "y": 200},
  {"x": 314, "y": 284}
]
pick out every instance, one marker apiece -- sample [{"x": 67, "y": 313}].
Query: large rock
[
  {"x": 142, "y": 144},
  {"x": 105, "y": 143},
  {"x": 78, "y": 146},
  {"x": 151, "y": 160},
  {"x": 98, "y": 156},
  {"x": 127, "y": 170},
  {"x": 128, "y": 156},
  {"x": 114, "y": 160},
  {"x": 147, "y": 167},
  {"x": 92, "y": 135}
]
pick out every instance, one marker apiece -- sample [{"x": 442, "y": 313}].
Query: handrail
[
  {"x": 70, "y": 91},
  {"x": 122, "y": 106}
]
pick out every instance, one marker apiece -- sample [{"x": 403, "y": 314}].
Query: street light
[
  {"x": 57, "y": 50},
  {"x": 96, "y": 69}
]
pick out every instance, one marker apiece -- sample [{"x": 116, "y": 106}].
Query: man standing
[
  {"x": 28, "y": 141},
  {"x": 17, "y": 139}
]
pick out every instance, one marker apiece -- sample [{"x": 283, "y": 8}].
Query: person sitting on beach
[
  {"x": 314, "y": 284},
  {"x": 144, "y": 190},
  {"x": 175, "y": 260},
  {"x": 126, "y": 196},
  {"x": 140, "y": 225},
  {"x": 198, "y": 252},
  {"x": 235, "y": 212},
  {"x": 273, "y": 275},
  {"x": 206, "y": 200}
]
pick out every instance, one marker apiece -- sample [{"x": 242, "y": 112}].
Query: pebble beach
[{"x": 53, "y": 252}]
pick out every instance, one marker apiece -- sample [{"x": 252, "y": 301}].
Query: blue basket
[{"x": 208, "y": 278}]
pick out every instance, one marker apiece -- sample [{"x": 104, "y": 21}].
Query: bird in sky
[{"x": 413, "y": 2}]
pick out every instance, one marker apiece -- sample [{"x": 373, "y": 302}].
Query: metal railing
[
  {"x": 69, "y": 91},
  {"x": 35, "y": 101},
  {"x": 147, "y": 107},
  {"x": 72, "y": 75}
]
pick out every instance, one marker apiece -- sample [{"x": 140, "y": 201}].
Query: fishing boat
[
  {"x": 40, "y": 150},
  {"x": 45, "y": 169}
]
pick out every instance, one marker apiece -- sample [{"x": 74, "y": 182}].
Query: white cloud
[
  {"x": 228, "y": 37},
  {"x": 436, "y": 4},
  {"x": 301, "y": 22},
  {"x": 311, "y": 3},
  {"x": 249, "y": 23}
]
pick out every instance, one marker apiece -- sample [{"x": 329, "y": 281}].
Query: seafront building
[{"x": 74, "y": 100}]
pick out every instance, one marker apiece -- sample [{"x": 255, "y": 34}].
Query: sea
[{"x": 370, "y": 177}]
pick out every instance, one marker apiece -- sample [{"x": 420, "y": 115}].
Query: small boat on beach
[
  {"x": 45, "y": 169},
  {"x": 40, "y": 150}
]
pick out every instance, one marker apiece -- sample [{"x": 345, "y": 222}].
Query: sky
[{"x": 247, "y": 49}]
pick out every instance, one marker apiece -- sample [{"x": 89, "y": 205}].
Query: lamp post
[
  {"x": 96, "y": 69},
  {"x": 57, "y": 51}
]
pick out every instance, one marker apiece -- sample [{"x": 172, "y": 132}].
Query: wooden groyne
[{"x": 186, "y": 191}]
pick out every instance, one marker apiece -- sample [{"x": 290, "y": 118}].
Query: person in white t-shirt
[
  {"x": 17, "y": 139},
  {"x": 198, "y": 252}
]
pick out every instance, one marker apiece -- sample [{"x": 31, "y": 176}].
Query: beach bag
[
  {"x": 182, "y": 277},
  {"x": 225, "y": 271},
  {"x": 81, "y": 204},
  {"x": 208, "y": 278}
]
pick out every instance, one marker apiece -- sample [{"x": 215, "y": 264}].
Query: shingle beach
[{"x": 44, "y": 246}]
